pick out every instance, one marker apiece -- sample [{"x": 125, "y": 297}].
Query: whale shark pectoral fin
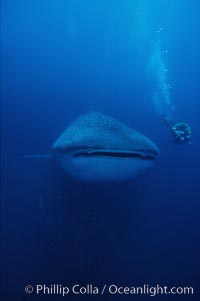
[{"x": 37, "y": 156}]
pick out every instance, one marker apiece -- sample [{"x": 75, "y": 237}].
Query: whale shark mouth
[
  {"x": 120, "y": 154},
  {"x": 143, "y": 155}
]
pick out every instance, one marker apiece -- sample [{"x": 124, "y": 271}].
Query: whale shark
[{"x": 97, "y": 147}]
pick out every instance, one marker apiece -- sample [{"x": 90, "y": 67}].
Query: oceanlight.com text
[{"x": 109, "y": 289}]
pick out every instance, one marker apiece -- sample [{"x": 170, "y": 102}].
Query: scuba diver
[{"x": 180, "y": 131}]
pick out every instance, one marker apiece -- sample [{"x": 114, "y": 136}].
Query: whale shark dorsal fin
[{"x": 37, "y": 156}]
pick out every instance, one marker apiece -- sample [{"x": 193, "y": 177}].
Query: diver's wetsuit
[{"x": 180, "y": 131}]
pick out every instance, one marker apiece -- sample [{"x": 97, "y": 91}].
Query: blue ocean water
[{"x": 61, "y": 59}]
